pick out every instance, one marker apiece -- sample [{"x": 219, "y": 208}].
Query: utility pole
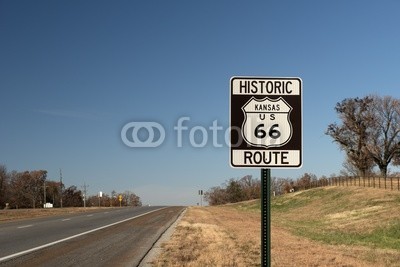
[
  {"x": 85, "y": 186},
  {"x": 44, "y": 194},
  {"x": 61, "y": 189}
]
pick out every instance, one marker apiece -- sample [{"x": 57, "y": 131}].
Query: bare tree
[
  {"x": 72, "y": 197},
  {"x": 354, "y": 132},
  {"x": 216, "y": 196},
  {"x": 3, "y": 185},
  {"x": 27, "y": 188},
  {"x": 251, "y": 187},
  {"x": 53, "y": 192},
  {"x": 305, "y": 181},
  {"x": 385, "y": 132},
  {"x": 130, "y": 199}
]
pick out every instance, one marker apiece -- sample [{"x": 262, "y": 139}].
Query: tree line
[
  {"x": 32, "y": 189},
  {"x": 248, "y": 188},
  {"x": 234, "y": 190}
]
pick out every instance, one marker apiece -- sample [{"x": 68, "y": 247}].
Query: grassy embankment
[{"x": 332, "y": 226}]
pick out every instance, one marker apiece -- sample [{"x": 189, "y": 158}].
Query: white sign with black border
[{"x": 266, "y": 122}]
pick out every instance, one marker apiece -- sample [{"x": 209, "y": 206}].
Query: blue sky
[{"x": 73, "y": 73}]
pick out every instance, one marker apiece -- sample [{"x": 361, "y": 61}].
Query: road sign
[{"x": 266, "y": 122}]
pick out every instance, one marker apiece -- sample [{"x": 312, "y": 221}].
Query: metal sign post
[
  {"x": 266, "y": 132},
  {"x": 266, "y": 217}
]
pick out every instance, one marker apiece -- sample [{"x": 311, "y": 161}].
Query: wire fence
[{"x": 390, "y": 183}]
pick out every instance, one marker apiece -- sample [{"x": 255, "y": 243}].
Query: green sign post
[
  {"x": 266, "y": 217},
  {"x": 266, "y": 132}
]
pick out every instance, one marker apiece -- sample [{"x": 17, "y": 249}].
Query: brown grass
[
  {"x": 290, "y": 250},
  {"x": 230, "y": 235},
  {"x": 21, "y": 214},
  {"x": 213, "y": 236}
]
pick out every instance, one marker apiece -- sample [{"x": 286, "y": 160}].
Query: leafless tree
[
  {"x": 234, "y": 190},
  {"x": 72, "y": 197},
  {"x": 385, "y": 132},
  {"x": 27, "y": 188},
  {"x": 251, "y": 187},
  {"x": 130, "y": 199},
  {"x": 4, "y": 177},
  {"x": 357, "y": 117}
]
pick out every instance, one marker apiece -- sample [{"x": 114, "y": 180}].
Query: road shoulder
[{"x": 156, "y": 250}]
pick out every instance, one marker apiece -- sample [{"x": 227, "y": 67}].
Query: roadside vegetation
[
  {"x": 363, "y": 220},
  {"x": 7, "y": 215},
  {"x": 329, "y": 226},
  {"x": 214, "y": 236},
  {"x": 32, "y": 189}
]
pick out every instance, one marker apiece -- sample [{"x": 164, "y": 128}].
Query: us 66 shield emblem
[{"x": 266, "y": 122}]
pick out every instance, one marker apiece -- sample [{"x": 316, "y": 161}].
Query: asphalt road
[{"x": 117, "y": 237}]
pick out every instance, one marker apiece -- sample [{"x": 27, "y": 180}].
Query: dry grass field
[
  {"x": 214, "y": 236},
  {"x": 20, "y": 214},
  {"x": 331, "y": 226}
]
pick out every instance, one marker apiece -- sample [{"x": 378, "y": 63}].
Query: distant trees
[
  {"x": 72, "y": 197},
  {"x": 4, "y": 177},
  {"x": 234, "y": 190},
  {"x": 31, "y": 189},
  {"x": 128, "y": 198},
  {"x": 248, "y": 188},
  {"x": 26, "y": 188},
  {"x": 369, "y": 132},
  {"x": 306, "y": 181}
]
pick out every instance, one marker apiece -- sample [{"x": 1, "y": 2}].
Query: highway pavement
[{"x": 118, "y": 237}]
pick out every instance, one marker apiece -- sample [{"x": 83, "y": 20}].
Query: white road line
[
  {"x": 63, "y": 220},
  {"x": 90, "y": 215},
  {"x": 73, "y": 236},
  {"x": 25, "y": 226},
  {"x": 105, "y": 212}
]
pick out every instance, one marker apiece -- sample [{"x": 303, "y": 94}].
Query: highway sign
[{"x": 266, "y": 122}]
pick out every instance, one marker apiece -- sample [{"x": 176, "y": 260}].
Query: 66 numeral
[{"x": 273, "y": 132}]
